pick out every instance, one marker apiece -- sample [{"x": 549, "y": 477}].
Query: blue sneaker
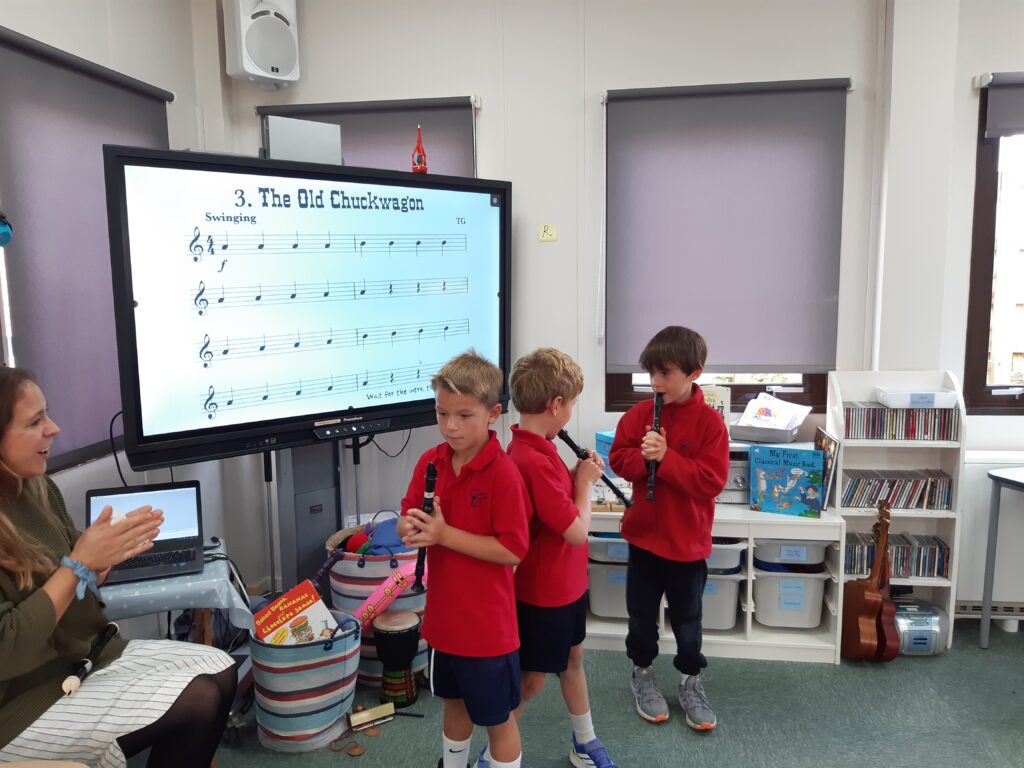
[
  {"x": 482, "y": 761},
  {"x": 589, "y": 755}
]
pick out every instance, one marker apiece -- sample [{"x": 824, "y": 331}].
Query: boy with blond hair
[
  {"x": 477, "y": 534},
  {"x": 670, "y": 536},
  {"x": 551, "y": 581}
]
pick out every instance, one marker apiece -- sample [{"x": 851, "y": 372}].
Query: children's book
[
  {"x": 786, "y": 480},
  {"x": 719, "y": 398},
  {"x": 297, "y": 616},
  {"x": 829, "y": 447}
]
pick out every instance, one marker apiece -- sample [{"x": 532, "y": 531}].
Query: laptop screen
[{"x": 179, "y": 502}]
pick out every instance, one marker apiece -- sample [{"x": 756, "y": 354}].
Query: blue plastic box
[{"x": 603, "y": 446}]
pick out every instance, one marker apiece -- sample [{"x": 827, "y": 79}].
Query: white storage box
[
  {"x": 608, "y": 549},
  {"x": 725, "y": 554},
  {"x": 608, "y": 590},
  {"x": 916, "y": 398},
  {"x": 720, "y": 601},
  {"x": 786, "y": 551},
  {"x": 788, "y": 599}
]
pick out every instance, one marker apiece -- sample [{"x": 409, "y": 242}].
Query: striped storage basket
[
  {"x": 303, "y": 692},
  {"x": 353, "y": 579}
]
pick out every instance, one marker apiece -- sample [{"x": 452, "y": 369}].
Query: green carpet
[{"x": 965, "y": 707}]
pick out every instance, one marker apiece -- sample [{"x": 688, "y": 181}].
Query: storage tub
[
  {"x": 786, "y": 551},
  {"x": 608, "y": 590},
  {"x": 788, "y": 599},
  {"x": 921, "y": 398},
  {"x": 603, "y": 447},
  {"x": 608, "y": 548},
  {"x": 725, "y": 555},
  {"x": 720, "y": 601}
]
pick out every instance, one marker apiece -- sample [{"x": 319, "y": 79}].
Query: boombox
[
  {"x": 923, "y": 628},
  {"x": 737, "y": 487}
]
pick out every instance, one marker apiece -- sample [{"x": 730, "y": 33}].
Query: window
[
  {"x": 724, "y": 213},
  {"x": 994, "y": 356}
]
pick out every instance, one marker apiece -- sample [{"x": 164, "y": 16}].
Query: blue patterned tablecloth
[{"x": 210, "y": 589}]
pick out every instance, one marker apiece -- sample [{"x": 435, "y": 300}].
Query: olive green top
[{"x": 36, "y": 651}]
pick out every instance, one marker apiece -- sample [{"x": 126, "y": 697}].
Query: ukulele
[
  {"x": 862, "y": 601},
  {"x": 888, "y": 633}
]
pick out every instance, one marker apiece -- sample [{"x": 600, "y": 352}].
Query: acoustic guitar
[
  {"x": 862, "y": 601},
  {"x": 888, "y": 633}
]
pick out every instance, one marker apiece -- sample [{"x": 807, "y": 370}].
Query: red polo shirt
[
  {"x": 554, "y": 572},
  {"x": 471, "y": 604}
]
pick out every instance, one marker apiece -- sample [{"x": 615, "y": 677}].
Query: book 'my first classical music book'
[
  {"x": 786, "y": 480},
  {"x": 297, "y": 616}
]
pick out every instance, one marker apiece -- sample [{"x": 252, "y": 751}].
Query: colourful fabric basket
[{"x": 303, "y": 692}]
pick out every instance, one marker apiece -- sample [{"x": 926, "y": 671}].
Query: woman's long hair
[{"x": 17, "y": 556}]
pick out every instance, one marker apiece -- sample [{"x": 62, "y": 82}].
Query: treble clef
[
  {"x": 195, "y": 247},
  {"x": 204, "y": 351},
  {"x": 210, "y": 406},
  {"x": 200, "y": 300}
]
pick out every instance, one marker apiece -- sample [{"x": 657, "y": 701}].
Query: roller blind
[
  {"x": 724, "y": 214},
  {"x": 56, "y": 114},
  {"x": 1005, "y": 115}
]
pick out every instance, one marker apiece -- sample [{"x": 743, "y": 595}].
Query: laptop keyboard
[{"x": 149, "y": 559}]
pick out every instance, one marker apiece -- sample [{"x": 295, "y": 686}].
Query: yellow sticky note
[{"x": 547, "y": 233}]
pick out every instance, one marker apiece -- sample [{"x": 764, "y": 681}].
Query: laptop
[{"x": 177, "y": 549}]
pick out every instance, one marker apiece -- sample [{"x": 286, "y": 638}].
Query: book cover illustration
[
  {"x": 829, "y": 447},
  {"x": 297, "y": 616},
  {"x": 786, "y": 480},
  {"x": 719, "y": 398}
]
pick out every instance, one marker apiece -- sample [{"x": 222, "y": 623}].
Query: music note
[
  {"x": 204, "y": 352},
  {"x": 361, "y": 244},
  {"x": 328, "y": 243},
  {"x": 443, "y": 244},
  {"x": 296, "y": 243},
  {"x": 263, "y": 239},
  {"x": 390, "y": 244},
  {"x": 393, "y": 338},
  {"x": 298, "y": 340},
  {"x": 363, "y": 340},
  {"x": 231, "y": 400},
  {"x": 200, "y": 300},
  {"x": 195, "y": 247},
  {"x": 445, "y": 332},
  {"x": 295, "y": 290},
  {"x": 263, "y": 346},
  {"x": 221, "y": 299},
  {"x": 363, "y": 292},
  {"x": 366, "y": 380},
  {"x": 227, "y": 347},
  {"x": 299, "y": 390},
  {"x": 419, "y": 336},
  {"x": 330, "y": 388},
  {"x": 266, "y": 391},
  {"x": 331, "y": 337},
  {"x": 418, "y": 247},
  {"x": 260, "y": 294},
  {"x": 328, "y": 291},
  {"x": 210, "y": 406},
  {"x": 224, "y": 247}
]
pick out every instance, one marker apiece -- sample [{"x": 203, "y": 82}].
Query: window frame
[
  {"x": 978, "y": 397},
  {"x": 621, "y": 395}
]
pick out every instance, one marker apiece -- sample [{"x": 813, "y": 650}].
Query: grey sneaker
[
  {"x": 649, "y": 702},
  {"x": 699, "y": 714}
]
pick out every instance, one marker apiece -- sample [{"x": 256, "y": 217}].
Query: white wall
[{"x": 540, "y": 68}]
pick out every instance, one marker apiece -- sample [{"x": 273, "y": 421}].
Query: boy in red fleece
[{"x": 670, "y": 536}]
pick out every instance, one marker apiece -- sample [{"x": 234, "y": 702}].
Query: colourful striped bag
[
  {"x": 354, "y": 578},
  {"x": 303, "y": 692}
]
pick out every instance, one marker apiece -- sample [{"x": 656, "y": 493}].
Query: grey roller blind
[
  {"x": 1005, "y": 115},
  {"x": 382, "y": 134},
  {"x": 56, "y": 113},
  {"x": 724, "y": 214}
]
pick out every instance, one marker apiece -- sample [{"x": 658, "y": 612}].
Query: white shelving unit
[
  {"x": 853, "y": 386},
  {"x": 749, "y": 639}
]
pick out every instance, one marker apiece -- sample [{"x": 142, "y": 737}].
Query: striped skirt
[{"x": 132, "y": 692}]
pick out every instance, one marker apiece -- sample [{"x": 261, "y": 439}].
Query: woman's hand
[{"x": 106, "y": 543}]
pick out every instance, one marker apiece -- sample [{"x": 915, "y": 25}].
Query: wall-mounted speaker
[{"x": 261, "y": 41}]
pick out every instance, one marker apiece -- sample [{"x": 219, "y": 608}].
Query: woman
[{"x": 172, "y": 697}]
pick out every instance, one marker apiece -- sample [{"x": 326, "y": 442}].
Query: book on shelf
[
  {"x": 297, "y": 616},
  {"x": 870, "y": 420},
  {"x": 719, "y": 398},
  {"x": 829, "y": 447},
  {"x": 786, "y": 480}
]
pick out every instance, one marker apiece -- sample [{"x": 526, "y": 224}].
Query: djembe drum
[{"x": 397, "y": 635}]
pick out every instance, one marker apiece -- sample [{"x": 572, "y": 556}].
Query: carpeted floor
[{"x": 963, "y": 708}]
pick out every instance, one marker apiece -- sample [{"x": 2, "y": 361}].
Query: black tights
[{"x": 187, "y": 735}]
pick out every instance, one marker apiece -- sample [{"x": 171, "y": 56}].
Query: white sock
[
  {"x": 455, "y": 752},
  {"x": 583, "y": 727},
  {"x": 496, "y": 764}
]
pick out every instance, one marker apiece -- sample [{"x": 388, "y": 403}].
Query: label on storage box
[
  {"x": 711, "y": 588},
  {"x": 922, "y": 399},
  {"x": 618, "y": 551},
  {"x": 791, "y": 594},
  {"x": 793, "y": 554},
  {"x": 617, "y": 576}
]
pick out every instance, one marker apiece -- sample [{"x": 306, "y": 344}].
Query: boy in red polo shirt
[
  {"x": 551, "y": 582},
  {"x": 478, "y": 533}
]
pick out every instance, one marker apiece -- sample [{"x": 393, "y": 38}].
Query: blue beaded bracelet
[{"x": 86, "y": 577}]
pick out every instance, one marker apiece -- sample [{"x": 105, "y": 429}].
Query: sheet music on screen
[{"x": 270, "y": 297}]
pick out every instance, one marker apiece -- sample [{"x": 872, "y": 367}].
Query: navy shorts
[
  {"x": 546, "y": 635},
  {"x": 488, "y": 685}
]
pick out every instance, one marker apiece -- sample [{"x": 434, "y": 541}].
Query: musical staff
[
  {"x": 317, "y": 242},
  {"x": 305, "y": 389},
  {"x": 299, "y": 341},
  {"x": 294, "y": 292}
]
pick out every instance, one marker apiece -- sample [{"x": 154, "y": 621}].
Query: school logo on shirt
[{"x": 477, "y": 497}]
